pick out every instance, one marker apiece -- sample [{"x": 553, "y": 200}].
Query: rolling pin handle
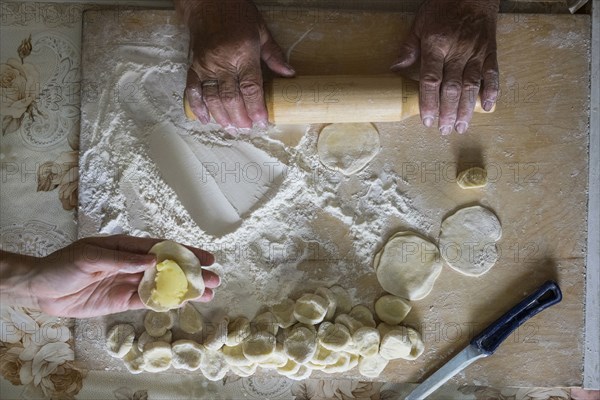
[{"x": 489, "y": 340}]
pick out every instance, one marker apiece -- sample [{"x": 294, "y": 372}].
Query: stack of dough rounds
[
  {"x": 189, "y": 264},
  {"x": 408, "y": 266}
]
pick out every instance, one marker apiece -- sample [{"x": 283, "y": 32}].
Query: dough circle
[
  {"x": 348, "y": 147},
  {"x": 408, "y": 266},
  {"x": 468, "y": 240},
  {"x": 187, "y": 261}
]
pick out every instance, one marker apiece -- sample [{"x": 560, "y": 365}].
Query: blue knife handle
[{"x": 488, "y": 341}]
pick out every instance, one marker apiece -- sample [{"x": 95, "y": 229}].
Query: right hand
[{"x": 228, "y": 41}]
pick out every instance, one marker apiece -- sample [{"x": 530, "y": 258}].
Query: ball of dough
[
  {"x": 310, "y": 309},
  {"x": 186, "y": 261},
  {"x": 119, "y": 340},
  {"x": 348, "y": 147},
  {"x": 468, "y": 240},
  {"x": 391, "y": 309},
  {"x": 408, "y": 266}
]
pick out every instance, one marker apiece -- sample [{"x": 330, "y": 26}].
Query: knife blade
[{"x": 486, "y": 343}]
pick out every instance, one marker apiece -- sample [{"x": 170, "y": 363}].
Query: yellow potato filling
[{"x": 171, "y": 284}]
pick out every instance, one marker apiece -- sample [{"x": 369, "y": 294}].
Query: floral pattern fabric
[{"x": 39, "y": 115}]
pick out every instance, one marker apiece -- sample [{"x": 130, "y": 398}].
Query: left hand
[
  {"x": 455, "y": 43},
  {"x": 100, "y": 275}
]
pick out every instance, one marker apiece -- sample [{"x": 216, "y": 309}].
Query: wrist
[{"x": 16, "y": 274}]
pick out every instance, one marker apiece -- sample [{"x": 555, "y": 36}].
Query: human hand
[
  {"x": 228, "y": 40},
  {"x": 100, "y": 275},
  {"x": 455, "y": 44}
]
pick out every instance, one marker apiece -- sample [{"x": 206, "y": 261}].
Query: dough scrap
[
  {"x": 392, "y": 309},
  {"x": 328, "y": 295},
  {"x": 189, "y": 264},
  {"x": 186, "y": 355},
  {"x": 363, "y": 315},
  {"x": 119, "y": 340},
  {"x": 366, "y": 341},
  {"x": 343, "y": 300},
  {"x": 348, "y": 147},
  {"x": 259, "y": 346},
  {"x": 157, "y": 356},
  {"x": 373, "y": 366},
  {"x": 334, "y": 337},
  {"x": 472, "y": 178},
  {"x": 468, "y": 240},
  {"x": 284, "y": 313},
  {"x": 158, "y": 323},
  {"x": 300, "y": 344},
  {"x": 310, "y": 309},
  {"x": 190, "y": 319},
  {"x": 408, "y": 266},
  {"x": 213, "y": 365}
]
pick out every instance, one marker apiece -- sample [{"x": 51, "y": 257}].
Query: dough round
[
  {"x": 468, "y": 240},
  {"x": 392, "y": 309},
  {"x": 189, "y": 264},
  {"x": 472, "y": 178},
  {"x": 372, "y": 367},
  {"x": 311, "y": 309},
  {"x": 186, "y": 355},
  {"x": 349, "y": 147},
  {"x": 408, "y": 265}
]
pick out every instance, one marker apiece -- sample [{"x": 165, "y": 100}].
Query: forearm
[{"x": 16, "y": 273}]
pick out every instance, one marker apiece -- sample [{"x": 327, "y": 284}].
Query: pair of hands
[
  {"x": 451, "y": 50},
  {"x": 99, "y": 276}
]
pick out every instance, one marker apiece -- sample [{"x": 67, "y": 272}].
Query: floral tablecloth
[{"x": 40, "y": 82}]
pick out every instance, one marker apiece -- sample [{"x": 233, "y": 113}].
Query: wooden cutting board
[{"x": 535, "y": 147}]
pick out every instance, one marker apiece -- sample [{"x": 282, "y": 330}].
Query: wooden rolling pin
[{"x": 340, "y": 98}]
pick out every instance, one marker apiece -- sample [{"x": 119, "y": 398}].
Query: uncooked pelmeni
[
  {"x": 328, "y": 295},
  {"x": 186, "y": 355},
  {"x": 343, "y": 300},
  {"x": 259, "y": 346},
  {"x": 417, "y": 345},
  {"x": 343, "y": 364},
  {"x": 156, "y": 292},
  {"x": 234, "y": 355},
  {"x": 468, "y": 240},
  {"x": 145, "y": 338},
  {"x": 119, "y": 340},
  {"x": 408, "y": 265},
  {"x": 334, "y": 337},
  {"x": 190, "y": 320},
  {"x": 213, "y": 365},
  {"x": 157, "y": 356},
  {"x": 349, "y": 322},
  {"x": 366, "y": 341},
  {"x": 395, "y": 343},
  {"x": 300, "y": 344},
  {"x": 276, "y": 360},
  {"x": 284, "y": 313},
  {"x": 266, "y": 322},
  {"x": 217, "y": 338},
  {"x": 134, "y": 360},
  {"x": 310, "y": 309},
  {"x": 373, "y": 366},
  {"x": 158, "y": 323},
  {"x": 323, "y": 356},
  {"x": 363, "y": 315},
  {"x": 237, "y": 331},
  {"x": 391, "y": 309},
  {"x": 348, "y": 147}
]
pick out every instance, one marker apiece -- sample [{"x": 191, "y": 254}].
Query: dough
[
  {"x": 395, "y": 344},
  {"x": 300, "y": 344},
  {"x": 213, "y": 365},
  {"x": 277, "y": 360},
  {"x": 134, "y": 360},
  {"x": 373, "y": 366},
  {"x": 158, "y": 323},
  {"x": 218, "y": 337},
  {"x": 472, "y": 178},
  {"x": 119, "y": 340},
  {"x": 234, "y": 355},
  {"x": 363, "y": 315},
  {"x": 343, "y": 364},
  {"x": 391, "y": 309},
  {"x": 284, "y": 313},
  {"x": 145, "y": 338},
  {"x": 157, "y": 356},
  {"x": 161, "y": 300},
  {"x": 186, "y": 355},
  {"x": 259, "y": 346},
  {"x": 366, "y": 341},
  {"x": 417, "y": 345},
  {"x": 334, "y": 337},
  {"x": 328, "y": 295},
  {"x": 342, "y": 298},
  {"x": 468, "y": 240},
  {"x": 266, "y": 322},
  {"x": 349, "y": 322},
  {"x": 237, "y": 331},
  {"x": 190, "y": 320},
  {"x": 310, "y": 309},
  {"x": 323, "y": 356},
  {"x": 408, "y": 265},
  {"x": 348, "y": 147}
]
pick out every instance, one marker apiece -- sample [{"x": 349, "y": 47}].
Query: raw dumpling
[
  {"x": 119, "y": 340},
  {"x": 408, "y": 266},
  {"x": 190, "y": 320},
  {"x": 186, "y": 355},
  {"x": 468, "y": 240},
  {"x": 158, "y": 323},
  {"x": 176, "y": 278},
  {"x": 310, "y": 309}
]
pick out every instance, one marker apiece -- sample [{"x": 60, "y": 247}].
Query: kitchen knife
[{"x": 486, "y": 343}]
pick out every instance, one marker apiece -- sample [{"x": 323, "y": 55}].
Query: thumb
[
  {"x": 273, "y": 56},
  {"x": 410, "y": 52}
]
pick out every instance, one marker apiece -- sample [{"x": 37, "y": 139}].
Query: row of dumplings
[{"x": 319, "y": 331}]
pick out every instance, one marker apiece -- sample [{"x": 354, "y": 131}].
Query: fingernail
[
  {"x": 487, "y": 105},
  {"x": 446, "y": 129},
  {"x": 428, "y": 121},
  {"x": 461, "y": 127}
]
